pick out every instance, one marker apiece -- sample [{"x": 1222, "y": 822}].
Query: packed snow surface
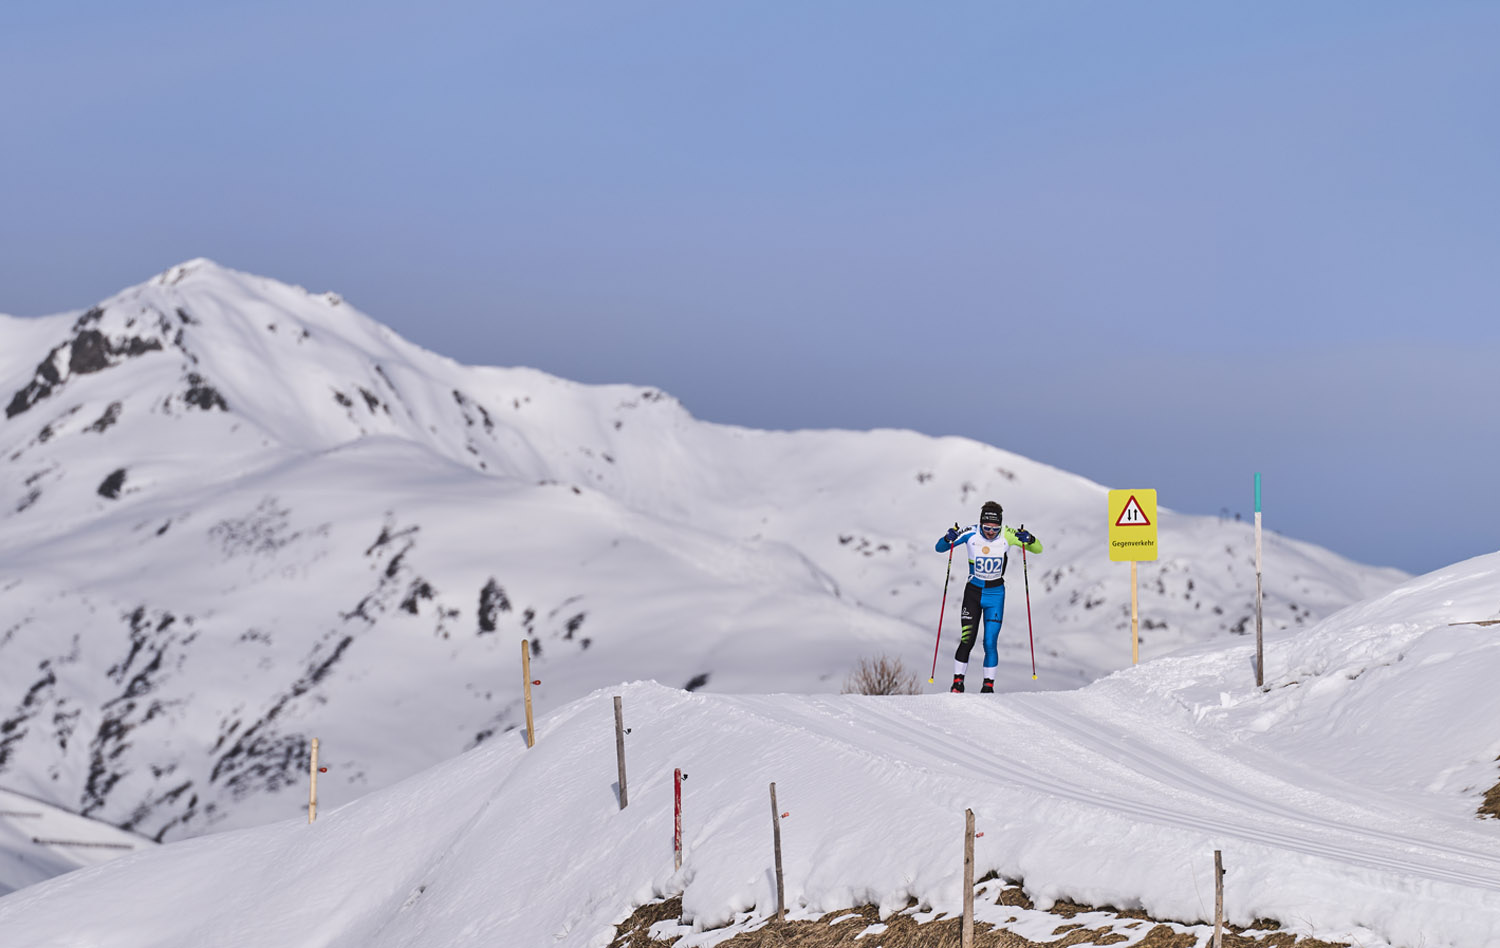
[{"x": 1343, "y": 796}]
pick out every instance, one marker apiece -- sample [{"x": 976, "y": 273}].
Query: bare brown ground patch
[
  {"x": 903, "y": 931},
  {"x": 634, "y": 931},
  {"x": 1490, "y": 807}
]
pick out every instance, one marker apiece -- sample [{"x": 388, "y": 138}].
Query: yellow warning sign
[{"x": 1132, "y": 524}]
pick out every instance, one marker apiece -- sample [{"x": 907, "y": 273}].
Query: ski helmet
[{"x": 990, "y": 513}]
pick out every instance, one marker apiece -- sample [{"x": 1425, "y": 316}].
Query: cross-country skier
[{"x": 984, "y": 596}]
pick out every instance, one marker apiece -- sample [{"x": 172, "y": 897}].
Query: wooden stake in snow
[
  {"x": 966, "y": 932},
  {"x": 776, "y": 845},
  {"x": 526, "y": 684},
  {"x": 1218, "y": 899},
  {"x": 312, "y": 792},
  {"x": 620, "y": 748},
  {"x": 1260, "y": 656},
  {"x": 677, "y": 818}
]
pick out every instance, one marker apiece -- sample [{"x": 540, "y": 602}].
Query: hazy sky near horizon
[{"x": 1160, "y": 244}]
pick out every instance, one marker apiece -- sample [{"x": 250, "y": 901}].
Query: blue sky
[{"x": 1158, "y": 244}]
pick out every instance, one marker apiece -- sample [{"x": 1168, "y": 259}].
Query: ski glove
[
  {"x": 1025, "y": 536},
  {"x": 951, "y": 536}
]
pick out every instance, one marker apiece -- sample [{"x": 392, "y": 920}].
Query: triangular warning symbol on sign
[{"x": 1132, "y": 515}]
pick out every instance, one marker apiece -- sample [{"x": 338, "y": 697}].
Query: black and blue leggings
[{"x": 987, "y": 604}]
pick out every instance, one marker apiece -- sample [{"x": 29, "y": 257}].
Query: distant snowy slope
[
  {"x": 237, "y": 515},
  {"x": 1343, "y": 797},
  {"x": 39, "y": 841}
]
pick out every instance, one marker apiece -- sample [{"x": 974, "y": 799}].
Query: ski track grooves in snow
[{"x": 1197, "y": 799}]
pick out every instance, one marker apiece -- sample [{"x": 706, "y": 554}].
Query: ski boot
[
  {"x": 988, "y": 688},
  {"x": 958, "y": 685}
]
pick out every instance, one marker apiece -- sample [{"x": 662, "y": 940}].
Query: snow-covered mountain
[
  {"x": 1343, "y": 796},
  {"x": 237, "y": 515}
]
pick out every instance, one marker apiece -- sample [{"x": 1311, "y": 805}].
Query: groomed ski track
[
  {"x": 1047, "y": 774},
  {"x": 1112, "y": 795},
  {"x": 1096, "y": 754}
]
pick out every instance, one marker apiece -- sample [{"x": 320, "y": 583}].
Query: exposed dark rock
[
  {"x": 260, "y": 533},
  {"x": 380, "y": 371},
  {"x": 142, "y": 671},
  {"x": 202, "y": 395},
  {"x": 343, "y": 399},
  {"x": 138, "y": 629},
  {"x": 696, "y": 682},
  {"x": 92, "y": 316},
  {"x": 420, "y": 589},
  {"x": 492, "y": 601},
  {"x": 110, "y": 416},
  {"x": 94, "y": 352},
  {"x": 144, "y": 811},
  {"x": 320, "y": 671},
  {"x": 464, "y": 403},
  {"x": 573, "y": 624},
  {"x": 399, "y": 587},
  {"x": 263, "y": 761},
  {"x": 28, "y": 395},
  {"x": 64, "y": 723},
  {"x": 89, "y": 351},
  {"x": 112, "y": 484},
  {"x": 387, "y": 537},
  {"x": 394, "y": 566}
]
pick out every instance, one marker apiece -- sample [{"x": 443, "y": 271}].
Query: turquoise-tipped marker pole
[{"x": 1260, "y": 655}]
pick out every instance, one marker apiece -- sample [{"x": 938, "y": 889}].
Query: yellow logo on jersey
[{"x": 984, "y": 549}]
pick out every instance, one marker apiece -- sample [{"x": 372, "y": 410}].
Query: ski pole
[
  {"x": 942, "y": 609},
  {"x": 1026, "y": 579}
]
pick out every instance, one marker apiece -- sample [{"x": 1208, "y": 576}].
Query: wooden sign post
[
  {"x": 1260, "y": 655},
  {"x": 526, "y": 685},
  {"x": 1135, "y": 617},
  {"x": 620, "y": 749},
  {"x": 1132, "y": 536},
  {"x": 677, "y": 818},
  {"x": 1218, "y": 898},
  {"x": 776, "y": 845},
  {"x": 966, "y": 930},
  {"x": 312, "y": 792}
]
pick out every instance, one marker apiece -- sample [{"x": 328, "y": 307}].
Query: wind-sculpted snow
[{"x": 238, "y": 515}]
